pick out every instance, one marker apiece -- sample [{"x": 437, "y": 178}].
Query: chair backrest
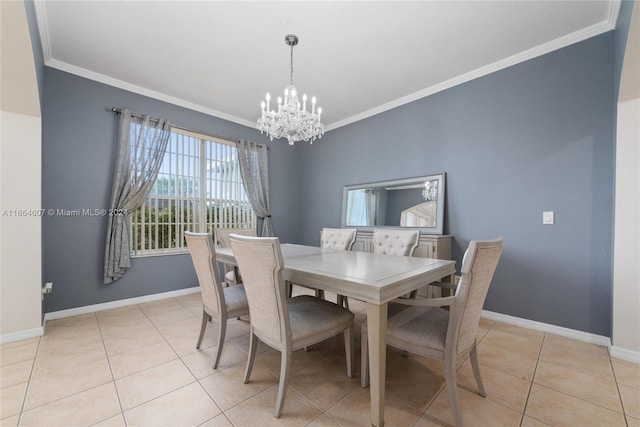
[
  {"x": 203, "y": 255},
  {"x": 338, "y": 238},
  {"x": 222, "y": 235},
  {"x": 395, "y": 242},
  {"x": 478, "y": 266},
  {"x": 260, "y": 260}
]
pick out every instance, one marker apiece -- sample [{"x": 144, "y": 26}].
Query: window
[{"x": 199, "y": 188}]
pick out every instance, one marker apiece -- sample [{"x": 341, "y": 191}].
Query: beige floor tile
[
  {"x": 531, "y": 422},
  {"x": 187, "y": 406},
  {"x": 227, "y": 389},
  {"x": 507, "y": 361},
  {"x": 200, "y": 363},
  {"x": 630, "y": 400},
  {"x": 323, "y": 384},
  {"x": 258, "y": 410},
  {"x": 499, "y": 386},
  {"x": 559, "y": 409},
  {"x": 166, "y": 312},
  {"x": 219, "y": 421},
  {"x": 596, "y": 390},
  {"x": 20, "y": 343},
  {"x": 577, "y": 355},
  {"x": 144, "y": 386},
  {"x": 427, "y": 421},
  {"x": 125, "y": 364},
  {"x": 190, "y": 325},
  {"x": 633, "y": 422},
  {"x": 409, "y": 381},
  {"x": 355, "y": 410},
  {"x": 131, "y": 341},
  {"x": 626, "y": 372},
  {"x": 57, "y": 385},
  {"x": 115, "y": 421},
  {"x": 85, "y": 408},
  {"x": 119, "y": 313},
  {"x": 323, "y": 421},
  {"x": 52, "y": 363},
  {"x": 10, "y": 421},
  {"x": 81, "y": 321},
  {"x": 475, "y": 409},
  {"x": 17, "y": 354},
  {"x": 11, "y": 399},
  {"x": 513, "y": 338},
  {"x": 15, "y": 373},
  {"x": 59, "y": 343},
  {"x": 300, "y": 359}
]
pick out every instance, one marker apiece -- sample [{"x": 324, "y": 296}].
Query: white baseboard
[
  {"x": 624, "y": 354},
  {"x": 119, "y": 303},
  {"x": 548, "y": 328},
  {"x": 21, "y": 335}
]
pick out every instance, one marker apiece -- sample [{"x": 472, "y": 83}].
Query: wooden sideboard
[{"x": 430, "y": 246}]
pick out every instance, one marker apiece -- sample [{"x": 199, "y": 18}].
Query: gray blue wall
[
  {"x": 535, "y": 137},
  {"x": 78, "y": 155}
]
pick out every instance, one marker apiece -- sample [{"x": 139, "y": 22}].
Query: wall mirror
[{"x": 410, "y": 202}]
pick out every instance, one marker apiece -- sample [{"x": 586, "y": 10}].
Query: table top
[{"x": 362, "y": 275}]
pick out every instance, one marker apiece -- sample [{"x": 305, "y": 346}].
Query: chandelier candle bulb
[{"x": 304, "y": 102}]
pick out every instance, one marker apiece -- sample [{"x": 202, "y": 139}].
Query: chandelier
[
  {"x": 291, "y": 120},
  {"x": 430, "y": 191}
]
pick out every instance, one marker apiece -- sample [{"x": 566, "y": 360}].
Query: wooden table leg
[{"x": 377, "y": 335}]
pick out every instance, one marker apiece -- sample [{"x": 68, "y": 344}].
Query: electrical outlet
[
  {"x": 548, "y": 218},
  {"x": 47, "y": 288}
]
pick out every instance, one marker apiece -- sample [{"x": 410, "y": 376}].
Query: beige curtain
[{"x": 141, "y": 145}]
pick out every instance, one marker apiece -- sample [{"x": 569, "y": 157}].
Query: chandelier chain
[{"x": 291, "y": 79}]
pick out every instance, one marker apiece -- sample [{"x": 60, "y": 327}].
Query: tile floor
[{"x": 138, "y": 366}]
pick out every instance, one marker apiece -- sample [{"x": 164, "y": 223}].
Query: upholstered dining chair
[
  {"x": 332, "y": 238},
  {"x": 231, "y": 273},
  {"x": 218, "y": 303},
  {"x": 285, "y": 324},
  {"x": 395, "y": 242},
  {"x": 342, "y": 239},
  {"x": 426, "y": 329}
]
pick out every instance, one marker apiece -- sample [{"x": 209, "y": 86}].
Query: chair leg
[
  {"x": 348, "y": 350},
  {"x": 289, "y": 286},
  {"x": 285, "y": 364},
  {"x": 205, "y": 318},
  {"x": 450, "y": 378},
  {"x": 320, "y": 293},
  {"x": 253, "y": 346},
  {"x": 341, "y": 300},
  {"x": 222, "y": 331},
  {"x": 364, "y": 360},
  {"x": 476, "y": 370}
]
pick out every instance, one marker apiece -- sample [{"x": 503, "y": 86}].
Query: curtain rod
[{"x": 118, "y": 111}]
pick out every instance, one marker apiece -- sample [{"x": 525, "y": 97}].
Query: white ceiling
[{"x": 358, "y": 58}]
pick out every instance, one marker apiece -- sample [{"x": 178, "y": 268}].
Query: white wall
[
  {"x": 20, "y": 181},
  {"x": 626, "y": 262}
]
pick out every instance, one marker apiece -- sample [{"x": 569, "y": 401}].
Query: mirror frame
[{"x": 440, "y": 177}]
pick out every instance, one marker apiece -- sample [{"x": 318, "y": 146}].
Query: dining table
[{"x": 372, "y": 278}]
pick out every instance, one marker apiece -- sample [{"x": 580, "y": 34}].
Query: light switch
[{"x": 548, "y": 217}]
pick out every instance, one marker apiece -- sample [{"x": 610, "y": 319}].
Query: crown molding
[
  {"x": 578, "y": 36},
  {"x": 559, "y": 43}
]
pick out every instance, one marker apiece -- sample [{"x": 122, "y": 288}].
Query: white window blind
[{"x": 199, "y": 188}]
